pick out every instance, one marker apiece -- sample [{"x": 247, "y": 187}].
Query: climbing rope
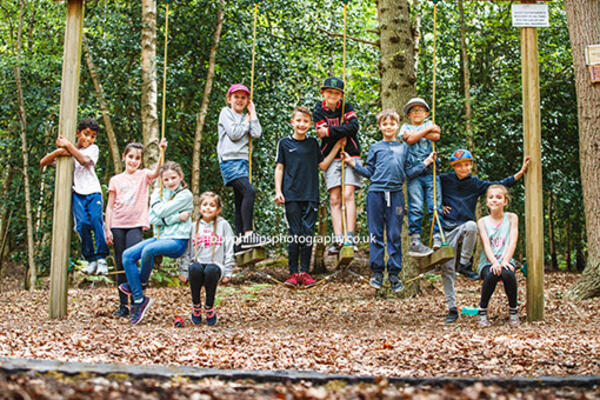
[
  {"x": 164, "y": 101},
  {"x": 343, "y": 194},
  {"x": 252, "y": 87},
  {"x": 436, "y": 217}
]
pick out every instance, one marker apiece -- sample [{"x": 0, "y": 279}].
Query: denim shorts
[{"x": 233, "y": 169}]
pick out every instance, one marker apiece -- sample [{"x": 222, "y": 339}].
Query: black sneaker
[
  {"x": 376, "y": 280},
  {"x": 452, "y": 315},
  {"x": 139, "y": 310},
  {"x": 122, "y": 311},
  {"x": 254, "y": 240},
  {"x": 396, "y": 284},
  {"x": 467, "y": 272}
]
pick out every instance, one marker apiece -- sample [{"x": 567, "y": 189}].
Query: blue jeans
[
  {"x": 420, "y": 191},
  {"x": 87, "y": 215},
  {"x": 146, "y": 251},
  {"x": 385, "y": 209}
]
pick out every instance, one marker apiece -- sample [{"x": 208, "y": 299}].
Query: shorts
[
  {"x": 333, "y": 175},
  {"x": 233, "y": 169}
]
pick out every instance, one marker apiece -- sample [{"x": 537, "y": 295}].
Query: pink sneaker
[
  {"x": 293, "y": 280},
  {"x": 306, "y": 280}
]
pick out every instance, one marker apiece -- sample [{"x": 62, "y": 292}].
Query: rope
[
  {"x": 343, "y": 195},
  {"x": 164, "y": 101},
  {"x": 252, "y": 86},
  {"x": 435, "y": 217}
]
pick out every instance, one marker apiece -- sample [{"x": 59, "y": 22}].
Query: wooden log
[
  {"x": 67, "y": 124},
  {"x": 251, "y": 257},
  {"x": 346, "y": 256},
  {"x": 534, "y": 205},
  {"x": 440, "y": 256}
]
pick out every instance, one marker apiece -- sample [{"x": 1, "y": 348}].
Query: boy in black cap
[{"x": 335, "y": 119}]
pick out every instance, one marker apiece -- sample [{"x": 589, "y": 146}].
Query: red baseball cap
[{"x": 238, "y": 87}]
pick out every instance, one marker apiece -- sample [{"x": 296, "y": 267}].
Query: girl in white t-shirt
[{"x": 127, "y": 209}]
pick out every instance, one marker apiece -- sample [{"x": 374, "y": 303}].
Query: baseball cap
[
  {"x": 333, "y": 83},
  {"x": 415, "y": 101},
  {"x": 238, "y": 87},
  {"x": 459, "y": 155}
]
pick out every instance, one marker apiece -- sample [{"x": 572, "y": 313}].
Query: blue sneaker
[
  {"x": 139, "y": 310},
  {"x": 396, "y": 284},
  {"x": 376, "y": 280},
  {"x": 211, "y": 316},
  {"x": 196, "y": 315}
]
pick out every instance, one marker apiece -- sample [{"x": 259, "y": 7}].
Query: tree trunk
[
  {"x": 110, "y": 133},
  {"x": 201, "y": 117},
  {"x": 553, "y": 259},
  {"x": 319, "y": 248},
  {"x": 569, "y": 242},
  {"x": 149, "y": 91},
  {"x": 397, "y": 87},
  {"x": 582, "y": 19},
  {"x": 32, "y": 273}
]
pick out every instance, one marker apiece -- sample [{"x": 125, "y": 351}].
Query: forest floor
[{"x": 342, "y": 327}]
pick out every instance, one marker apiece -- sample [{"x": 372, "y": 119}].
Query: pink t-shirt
[{"x": 130, "y": 209}]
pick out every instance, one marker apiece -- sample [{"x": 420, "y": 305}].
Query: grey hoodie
[
  {"x": 233, "y": 135},
  {"x": 200, "y": 248}
]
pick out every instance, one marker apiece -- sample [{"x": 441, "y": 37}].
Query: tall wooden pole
[
  {"x": 67, "y": 124},
  {"x": 534, "y": 204}
]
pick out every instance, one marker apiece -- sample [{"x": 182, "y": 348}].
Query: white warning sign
[{"x": 530, "y": 15}]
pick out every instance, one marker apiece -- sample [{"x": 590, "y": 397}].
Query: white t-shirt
[{"x": 85, "y": 180}]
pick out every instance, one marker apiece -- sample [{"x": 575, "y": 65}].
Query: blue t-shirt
[{"x": 420, "y": 150}]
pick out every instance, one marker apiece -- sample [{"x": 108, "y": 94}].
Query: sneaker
[
  {"x": 376, "y": 280},
  {"x": 513, "y": 320},
  {"x": 452, "y": 316},
  {"x": 102, "y": 267},
  {"x": 196, "y": 315},
  {"x": 122, "y": 311},
  {"x": 293, "y": 280},
  {"x": 90, "y": 268},
  {"x": 437, "y": 242},
  {"x": 418, "y": 249},
  {"x": 467, "y": 271},
  {"x": 125, "y": 288},
  {"x": 211, "y": 316},
  {"x": 333, "y": 249},
  {"x": 483, "y": 321},
  {"x": 306, "y": 280},
  {"x": 139, "y": 310},
  {"x": 237, "y": 249},
  {"x": 254, "y": 240},
  {"x": 396, "y": 284},
  {"x": 178, "y": 322}
]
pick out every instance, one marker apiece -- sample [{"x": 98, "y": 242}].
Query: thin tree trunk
[
  {"x": 553, "y": 258},
  {"x": 4, "y": 240},
  {"x": 398, "y": 81},
  {"x": 582, "y": 19},
  {"x": 110, "y": 133},
  {"x": 149, "y": 91},
  {"x": 201, "y": 117},
  {"x": 32, "y": 273},
  {"x": 319, "y": 248},
  {"x": 569, "y": 243}
]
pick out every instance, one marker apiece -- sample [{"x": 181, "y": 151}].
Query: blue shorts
[{"x": 233, "y": 169}]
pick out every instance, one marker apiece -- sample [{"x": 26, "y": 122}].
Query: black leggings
[
  {"x": 124, "y": 238},
  {"x": 244, "y": 194},
  {"x": 206, "y": 275},
  {"x": 490, "y": 280}
]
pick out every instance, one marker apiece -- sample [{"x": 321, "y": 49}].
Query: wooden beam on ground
[
  {"x": 440, "y": 256},
  {"x": 67, "y": 124},
  {"x": 251, "y": 257},
  {"x": 534, "y": 203}
]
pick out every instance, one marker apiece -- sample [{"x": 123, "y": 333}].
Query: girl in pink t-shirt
[{"x": 127, "y": 209}]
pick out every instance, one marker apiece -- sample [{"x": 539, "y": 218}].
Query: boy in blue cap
[
  {"x": 460, "y": 192},
  {"x": 332, "y": 126}
]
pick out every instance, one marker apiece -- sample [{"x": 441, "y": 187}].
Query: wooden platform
[
  {"x": 439, "y": 256},
  {"x": 346, "y": 256},
  {"x": 251, "y": 257}
]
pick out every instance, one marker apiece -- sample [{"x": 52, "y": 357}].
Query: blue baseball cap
[
  {"x": 460, "y": 155},
  {"x": 333, "y": 83}
]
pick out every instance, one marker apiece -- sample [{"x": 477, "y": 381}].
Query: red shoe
[
  {"x": 307, "y": 280},
  {"x": 293, "y": 280}
]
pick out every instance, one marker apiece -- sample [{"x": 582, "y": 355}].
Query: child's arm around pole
[{"x": 50, "y": 157}]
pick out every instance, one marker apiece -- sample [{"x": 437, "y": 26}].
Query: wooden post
[
  {"x": 534, "y": 205},
  {"x": 67, "y": 124}
]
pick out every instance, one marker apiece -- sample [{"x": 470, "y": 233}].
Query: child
[
  {"x": 127, "y": 209},
  {"x": 460, "y": 193},
  {"x": 209, "y": 257},
  {"x": 332, "y": 126},
  {"x": 297, "y": 186},
  {"x": 499, "y": 232},
  {"x": 419, "y": 135},
  {"x": 170, "y": 216},
  {"x": 87, "y": 193},
  {"x": 235, "y": 128},
  {"x": 387, "y": 167}
]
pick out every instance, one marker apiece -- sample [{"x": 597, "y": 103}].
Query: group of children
[{"x": 207, "y": 246}]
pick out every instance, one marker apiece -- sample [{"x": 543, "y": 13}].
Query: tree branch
[{"x": 334, "y": 34}]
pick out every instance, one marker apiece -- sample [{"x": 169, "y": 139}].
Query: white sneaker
[
  {"x": 102, "y": 267},
  {"x": 90, "y": 268}
]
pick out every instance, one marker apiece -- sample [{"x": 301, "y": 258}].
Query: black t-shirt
[{"x": 301, "y": 160}]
